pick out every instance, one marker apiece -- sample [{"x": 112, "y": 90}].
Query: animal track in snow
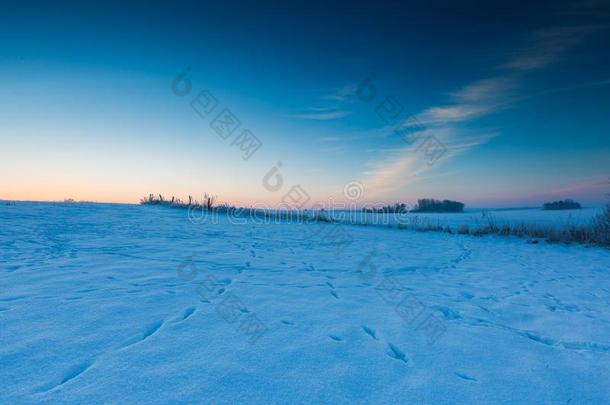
[
  {"x": 448, "y": 313},
  {"x": 187, "y": 313},
  {"x": 396, "y": 353},
  {"x": 72, "y": 373},
  {"x": 538, "y": 338},
  {"x": 76, "y": 371},
  {"x": 370, "y": 332},
  {"x": 465, "y": 376},
  {"x": 148, "y": 332}
]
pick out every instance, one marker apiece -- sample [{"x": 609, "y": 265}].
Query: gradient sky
[{"x": 518, "y": 93}]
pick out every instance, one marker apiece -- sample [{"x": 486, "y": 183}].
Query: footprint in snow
[
  {"x": 465, "y": 376},
  {"x": 76, "y": 371},
  {"x": 148, "y": 332},
  {"x": 538, "y": 338},
  {"x": 396, "y": 353},
  {"x": 370, "y": 332},
  {"x": 71, "y": 374},
  {"x": 187, "y": 313},
  {"x": 448, "y": 313}
]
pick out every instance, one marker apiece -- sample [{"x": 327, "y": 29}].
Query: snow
[
  {"x": 475, "y": 217},
  {"x": 123, "y": 304}
]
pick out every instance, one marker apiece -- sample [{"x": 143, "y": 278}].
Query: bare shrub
[
  {"x": 505, "y": 230},
  {"x": 432, "y": 205},
  {"x": 562, "y": 205},
  {"x": 601, "y": 227},
  {"x": 463, "y": 230}
]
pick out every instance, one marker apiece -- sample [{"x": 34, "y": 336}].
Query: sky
[{"x": 496, "y": 104}]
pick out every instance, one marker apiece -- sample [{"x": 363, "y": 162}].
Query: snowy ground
[
  {"x": 101, "y": 303},
  {"x": 476, "y": 217}
]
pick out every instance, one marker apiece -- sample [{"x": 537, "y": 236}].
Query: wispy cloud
[
  {"x": 391, "y": 171},
  {"x": 329, "y": 139},
  {"x": 343, "y": 94},
  {"x": 322, "y": 115},
  {"x": 548, "y": 46},
  {"x": 484, "y": 90},
  {"x": 453, "y": 113},
  {"x": 331, "y": 106},
  {"x": 488, "y": 95},
  {"x": 396, "y": 169},
  {"x": 472, "y": 101}
]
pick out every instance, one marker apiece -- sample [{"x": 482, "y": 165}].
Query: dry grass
[
  {"x": 601, "y": 227},
  {"x": 463, "y": 230},
  {"x": 209, "y": 203},
  {"x": 595, "y": 233}
]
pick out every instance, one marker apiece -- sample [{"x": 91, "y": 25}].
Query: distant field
[{"x": 476, "y": 217}]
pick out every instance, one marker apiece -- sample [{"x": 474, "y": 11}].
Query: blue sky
[{"x": 516, "y": 94}]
